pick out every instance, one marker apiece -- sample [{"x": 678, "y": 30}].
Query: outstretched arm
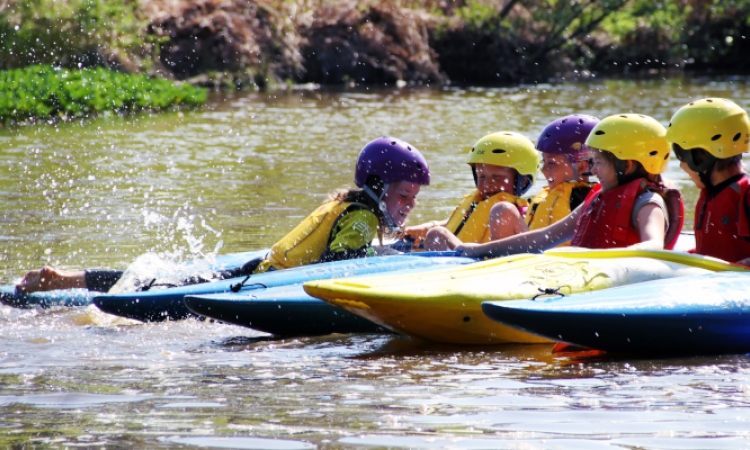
[{"x": 534, "y": 241}]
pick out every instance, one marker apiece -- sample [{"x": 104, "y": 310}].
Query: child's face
[
  {"x": 604, "y": 171},
  {"x": 557, "y": 169},
  {"x": 399, "y": 199},
  {"x": 493, "y": 179}
]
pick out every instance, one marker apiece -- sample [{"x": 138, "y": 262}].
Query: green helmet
[
  {"x": 508, "y": 149},
  {"x": 635, "y": 137}
]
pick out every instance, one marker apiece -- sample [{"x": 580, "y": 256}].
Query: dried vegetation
[{"x": 266, "y": 42}]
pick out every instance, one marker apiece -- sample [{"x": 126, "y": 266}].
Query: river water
[{"x": 235, "y": 176}]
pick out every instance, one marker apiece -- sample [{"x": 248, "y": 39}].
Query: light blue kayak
[
  {"x": 167, "y": 304},
  {"x": 289, "y": 310},
  {"x": 281, "y": 311},
  {"x": 706, "y": 314},
  {"x": 84, "y": 297}
]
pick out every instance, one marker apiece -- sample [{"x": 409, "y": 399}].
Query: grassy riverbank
[
  {"x": 260, "y": 43},
  {"x": 43, "y": 92}
]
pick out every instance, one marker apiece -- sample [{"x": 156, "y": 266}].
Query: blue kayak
[
  {"x": 706, "y": 314},
  {"x": 167, "y": 304},
  {"x": 84, "y": 297},
  {"x": 289, "y": 310},
  {"x": 282, "y": 311}
]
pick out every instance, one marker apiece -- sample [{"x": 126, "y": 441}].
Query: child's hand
[{"x": 417, "y": 233}]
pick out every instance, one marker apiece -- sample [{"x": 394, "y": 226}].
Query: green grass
[{"x": 43, "y": 92}]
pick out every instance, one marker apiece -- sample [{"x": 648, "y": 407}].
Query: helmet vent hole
[
  {"x": 599, "y": 132},
  {"x": 737, "y": 137},
  {"x": 564, "y": 120},
  {"x": 716, "y": 138},
  {"x": 472, "y": 149},
  {"x": 548, "y": 135},
  {"x": 653, "y": 153},
  {"x": 624, "y": 116},
  {"x": 393, "y": 142},
  {"x": 580, "y": 121},
  {"x": 709, "y": 100},
  {"x": 670, "y": 125},
  {"x": 692, "y": 103},
  {"x": 498, "y": 150},
  {"x": 409, "y": 148}
]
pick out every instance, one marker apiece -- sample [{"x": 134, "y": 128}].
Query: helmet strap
[
  {"x": 523, "y": 184},
  {"x": 703, "y": 169},
  {"x": 389, "y": 224},
  {"x": 705, "y": 175}
]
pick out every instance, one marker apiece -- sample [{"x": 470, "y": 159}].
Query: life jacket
[
  {"x": 308, "y": 240},
  {"x": 551, "y": 206},
  {"x": 721, "y": 223},
  {"x": 606, "y": 217},
  {"x": 470, "y": 221}
]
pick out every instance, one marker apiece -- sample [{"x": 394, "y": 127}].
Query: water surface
[{"x": 237, "y": 175}]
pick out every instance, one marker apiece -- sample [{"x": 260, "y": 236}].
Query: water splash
[{"x": 176, "y": 266}]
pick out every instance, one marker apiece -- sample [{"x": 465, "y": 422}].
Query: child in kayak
[
  {"x": 565, "y": 166},
  {"x": 630, "y": 206},
  {"x": 708, "y": 137},
  {"x": 504, "y": 166},
  {"x": 389, "y": 173}
]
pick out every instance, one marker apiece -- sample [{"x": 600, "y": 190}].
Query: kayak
[
  {"x": 281, "y": 311},
  {"x": 84, "y": 297},
  {"x": 707, "y": 314},
  {"x": 168, "y": 304},
  {"x": 445, "y": 305},
  {"x": 285, "y": 310}
]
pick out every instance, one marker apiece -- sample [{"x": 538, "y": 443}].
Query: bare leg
[
  {"x": 439, "y": 239},
  {"x": 47, "y": 279}
]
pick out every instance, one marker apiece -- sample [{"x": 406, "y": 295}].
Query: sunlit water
[{"x": 235, "y": 176}]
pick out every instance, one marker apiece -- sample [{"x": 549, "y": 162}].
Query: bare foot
[{"x": 48, "y": 278}]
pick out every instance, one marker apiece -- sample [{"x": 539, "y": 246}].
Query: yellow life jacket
[
  {"x": 470, "y": 221},
  {"x": 550, "y": 206},
  {"x": 308, "y": 240}
]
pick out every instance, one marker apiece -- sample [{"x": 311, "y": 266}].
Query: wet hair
[
  {"x": 360, "y": 196},
  {"x": 621, "y": 166},
  {"x": 730, "y": 163},
  {"x": 700, "y": 155},
  {"x": 699, "y": 158}
]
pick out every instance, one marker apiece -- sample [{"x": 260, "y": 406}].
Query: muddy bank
[{"x": 261, "y": 43}]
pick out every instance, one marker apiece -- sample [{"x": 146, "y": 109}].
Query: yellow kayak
[{"x": 445, "y": 305}]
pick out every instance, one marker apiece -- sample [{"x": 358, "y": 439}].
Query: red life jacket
[
  {"x": 721, "y": 222},
  {"x": 605, "y": 220}
]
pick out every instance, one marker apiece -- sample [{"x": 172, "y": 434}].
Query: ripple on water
[
  {"x": 244, "y": 443},
  {"x": 68, "y": 400}
]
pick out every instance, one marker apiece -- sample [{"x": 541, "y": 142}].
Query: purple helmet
[
  {"x": 566, "y": 136},
  {"x": 392, "y": 160}
]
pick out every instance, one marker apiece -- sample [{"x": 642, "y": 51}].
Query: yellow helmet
[
  {"x": 508, "y": 149},
  {"x": 633, "y": 136},
  {"x": 716, "y": 125}
]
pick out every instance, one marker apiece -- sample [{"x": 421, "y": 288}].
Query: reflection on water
[{"x": 235, "y": 177}]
